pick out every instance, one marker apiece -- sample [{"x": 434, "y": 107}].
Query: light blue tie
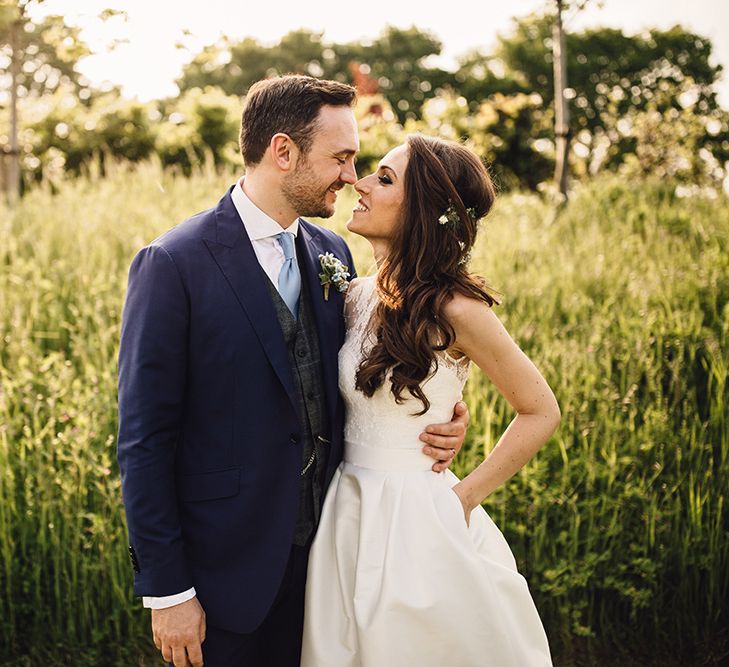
[{"x": 289, "y": 278}]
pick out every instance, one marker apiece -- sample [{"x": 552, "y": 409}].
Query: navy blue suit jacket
[{"x": 209, "y": 438}]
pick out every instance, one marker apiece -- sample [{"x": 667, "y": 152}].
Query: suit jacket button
[
  {"x": 294, "y": 438},
  {"x": 133, "y": 557}
]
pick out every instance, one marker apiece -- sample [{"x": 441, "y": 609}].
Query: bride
[{"x": 407, "y": 567}]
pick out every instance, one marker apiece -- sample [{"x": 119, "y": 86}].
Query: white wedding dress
[{"x": 396, "y": 577}]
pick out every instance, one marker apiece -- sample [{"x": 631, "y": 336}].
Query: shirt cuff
[{"x": 168, "y": 600}]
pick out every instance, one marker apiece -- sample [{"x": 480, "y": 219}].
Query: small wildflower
[{"x": 451, "y": 215}]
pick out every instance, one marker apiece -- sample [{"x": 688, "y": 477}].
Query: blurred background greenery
[
  {"x": 620, "y": 296},
  {"x": 641, "y": 104}
]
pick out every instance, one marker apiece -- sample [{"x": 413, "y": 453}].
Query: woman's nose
[{"x": 361, "y": 185}]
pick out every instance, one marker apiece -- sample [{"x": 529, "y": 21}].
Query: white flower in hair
[{"x": 451, "y": 215}]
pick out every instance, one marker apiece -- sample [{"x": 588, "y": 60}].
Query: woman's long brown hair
[{"x": 426, "y": 266}]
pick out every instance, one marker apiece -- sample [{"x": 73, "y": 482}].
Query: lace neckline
[{"x": 359, "y": 307}]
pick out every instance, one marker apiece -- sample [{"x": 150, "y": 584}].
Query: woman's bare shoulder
[{"x": 461, "y": 309}]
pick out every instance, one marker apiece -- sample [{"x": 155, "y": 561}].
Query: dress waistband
[{"x": 388, "y": 460}]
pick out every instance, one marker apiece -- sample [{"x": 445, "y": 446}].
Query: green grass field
[{"x": 620, "y": 523}]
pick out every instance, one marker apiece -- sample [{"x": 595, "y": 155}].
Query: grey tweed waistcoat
[{"x": 302, "y": 345}]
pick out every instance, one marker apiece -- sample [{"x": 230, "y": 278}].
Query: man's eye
[
  {"x": 385, "y": 180},
  {"x": 340, "y": 160}
]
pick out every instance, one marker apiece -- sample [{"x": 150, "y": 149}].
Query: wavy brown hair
[{"x": 426, "y": 266}]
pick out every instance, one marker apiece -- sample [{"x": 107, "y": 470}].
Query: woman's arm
[{"x": 481, "y": 336}]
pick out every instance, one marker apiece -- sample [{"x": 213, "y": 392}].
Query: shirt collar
[{"x": 258, "y": 224}]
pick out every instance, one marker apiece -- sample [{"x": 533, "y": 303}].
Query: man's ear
[{"x": 284, "y": 152}]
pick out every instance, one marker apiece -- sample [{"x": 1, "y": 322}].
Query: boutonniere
[{"x": 333, "y": 273}]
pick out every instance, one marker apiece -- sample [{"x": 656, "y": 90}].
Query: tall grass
[{"x": 620, "y": 522}]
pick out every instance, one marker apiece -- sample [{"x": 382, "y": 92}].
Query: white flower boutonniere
[{"x": 333, "y": 273}]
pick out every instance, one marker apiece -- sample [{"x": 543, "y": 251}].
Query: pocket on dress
[
  {"x": 448, "y": 503},
  {"x": 459, "y": 505}
]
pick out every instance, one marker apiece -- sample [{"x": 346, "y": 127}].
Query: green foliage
[
  {"x": 65, "y": 586},
  {"x": 48, "y": 49},
  {"x": 620, "y": 523},
  {"x": 605, "y": 65},
  {"x": 625, "y": 92},
  {"x": 668, "y": 145},
  {"x": 53, "y": 98},
  {"x": 125, "y": 130},
  {"x": 378, "y": 133},
  {"x": 70, "y": 134},
  {"x": 234, "y": 66},
  {"x": 480, "y": 75},
  {"x": 197, "y": 124},
  {"x": 508, "y": 132},
  {"x": 395, "y": 62},
  {"x": 613, "y": 76}
]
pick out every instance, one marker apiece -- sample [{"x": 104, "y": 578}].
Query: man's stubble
[{"x": 305, "y": 194}]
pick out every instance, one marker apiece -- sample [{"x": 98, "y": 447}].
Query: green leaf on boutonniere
[{"x": 333, "y": 273}]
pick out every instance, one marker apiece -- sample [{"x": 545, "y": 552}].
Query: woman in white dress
[{"x": 407, "y": 568}]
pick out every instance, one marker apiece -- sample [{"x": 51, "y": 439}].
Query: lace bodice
[{"x": 379, "y": 421}]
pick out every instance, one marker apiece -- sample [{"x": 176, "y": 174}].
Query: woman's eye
[{"x": 385, "y": 180}]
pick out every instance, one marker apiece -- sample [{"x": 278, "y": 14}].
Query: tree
[
  {"x": 397, "y": 61},
  {"x": 72, "y": 135},
  {"x": 612, "y": 74},
  {"x": 42, "y": 55},
  {"x": 234, "y": 66},
  {"x": 660, "y": 140},
  {"x": 481, "y": 75},
  {"x": 198, "y": 124},
  {"x": 508, "y": 131},
  {"x": 561, "y": 108}
]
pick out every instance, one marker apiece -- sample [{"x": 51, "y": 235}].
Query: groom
[{"x": 230, "y": 419}]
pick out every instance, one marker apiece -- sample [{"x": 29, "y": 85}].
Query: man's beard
[{"x": 305, "y": 194}]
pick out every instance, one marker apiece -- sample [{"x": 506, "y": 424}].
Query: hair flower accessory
[
  {"x": 333, "y": 273},
  {"x": 451, "y": 217}
]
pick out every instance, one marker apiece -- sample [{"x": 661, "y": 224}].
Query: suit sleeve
[{"x": 152, "y": 378}]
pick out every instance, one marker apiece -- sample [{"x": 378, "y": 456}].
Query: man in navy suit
[{"x": 230, "y": 419}]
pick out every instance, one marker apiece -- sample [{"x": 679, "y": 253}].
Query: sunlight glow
[{"x": 156, "y": 39}]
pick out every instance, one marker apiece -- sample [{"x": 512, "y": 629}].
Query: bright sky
[{"x": 147, "y": 65}]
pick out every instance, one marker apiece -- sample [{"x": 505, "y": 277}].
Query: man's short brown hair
[{"x": 288, "y": 104}]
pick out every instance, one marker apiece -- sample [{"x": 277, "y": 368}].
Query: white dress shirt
[{"x": 262, "y": 231}]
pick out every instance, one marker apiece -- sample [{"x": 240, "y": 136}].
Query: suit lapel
[
  {"x": 234, "y": 254},
  {"x": 327, "y": 314}
]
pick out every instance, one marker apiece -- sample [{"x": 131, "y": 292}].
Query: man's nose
[{"x": 349, "y": 173}]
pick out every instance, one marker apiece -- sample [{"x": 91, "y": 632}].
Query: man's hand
[
  {"x": 445, "y": 440},
  {"x": 179, "y": 632}
]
